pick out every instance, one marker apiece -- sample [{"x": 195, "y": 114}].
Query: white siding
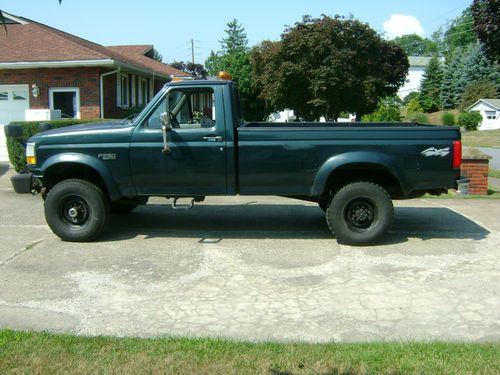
[
  {"x": 487, "y": 124},
  {"x": 413, "y": 81}
]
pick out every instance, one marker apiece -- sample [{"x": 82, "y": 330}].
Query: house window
[
  {"x": 65, "y": 99},
  {"x": 20, "y": 95},
  {"x": 124, "y": 90},
  {"x": 491, "y": 115}
]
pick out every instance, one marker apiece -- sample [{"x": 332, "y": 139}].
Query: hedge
[{"x": 16, "y": 147}]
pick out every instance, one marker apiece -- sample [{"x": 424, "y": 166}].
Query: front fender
[
  {"x": 77, "y": 158},
  {"x": 356, "y": 157}
]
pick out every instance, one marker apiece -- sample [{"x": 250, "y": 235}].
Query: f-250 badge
[{"x": 433, "y": 151}]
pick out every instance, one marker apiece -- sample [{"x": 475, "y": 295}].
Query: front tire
[
  {"x": 76, "y": 210},
  {"x": 360, "y": 213}
]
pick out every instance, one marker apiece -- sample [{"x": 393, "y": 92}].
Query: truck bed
[{"x": 287, "y": 158}]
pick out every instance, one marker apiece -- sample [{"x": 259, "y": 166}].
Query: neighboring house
[
  {"x": 45, "y": 68},
  {"x": 418, "y": 64},
  {"x": 490, "y": 110}
]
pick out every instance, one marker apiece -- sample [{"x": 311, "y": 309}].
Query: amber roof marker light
[{"x": 225, "y": 76}]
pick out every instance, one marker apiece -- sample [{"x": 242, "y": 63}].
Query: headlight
[{"x": 30, "y": 153}]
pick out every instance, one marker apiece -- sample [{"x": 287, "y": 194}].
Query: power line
[{"x": 424, "y": 41}]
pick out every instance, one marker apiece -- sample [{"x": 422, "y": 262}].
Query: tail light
[{"x": 457, "y": 154}]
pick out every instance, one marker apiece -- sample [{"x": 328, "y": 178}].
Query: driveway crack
[{"x": 29, "y": 246}]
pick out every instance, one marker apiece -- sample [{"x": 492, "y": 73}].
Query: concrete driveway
[{"x": 255, "y": 268}]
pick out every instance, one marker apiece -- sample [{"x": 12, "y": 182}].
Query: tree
[
  {"x": 430, "y": 88},
  {"x": 486, "y": 15},
  {"x": 324, "y": 66},
  {"x": 235, "y": 59},
  {"x": 415, "y": 45},
  {"x": 475, "y": 91},
  {"x": 236, "y": 38},
  {"x": 459, "y": 33},
  {"x": 463, "y": 67},
  {"x": 197, "y": 71},
  {"x": 155, "y": 55}
]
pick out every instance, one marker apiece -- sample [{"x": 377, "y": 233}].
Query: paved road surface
[
  {"x": 495, "y": 156},
  {"x": 255, "y": 268}
]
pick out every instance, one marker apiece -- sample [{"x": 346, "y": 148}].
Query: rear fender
[{"x": 351, "y": 158}]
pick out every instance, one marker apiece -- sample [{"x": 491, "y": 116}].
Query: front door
[{"x": 196, "y": 163}]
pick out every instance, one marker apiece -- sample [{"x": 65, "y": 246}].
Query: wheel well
[
  {"x": 60, "y": 172},
  {"x": 363, "y": 172}
]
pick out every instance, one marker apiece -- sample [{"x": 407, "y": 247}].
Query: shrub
[
  {"x": 414, "y": 105},
  {"x": 387, "y": 111},
  {"x": 16, "y": 148},
  {"x": 419, "y": 117},
  {"x": 448, "y": 118},
  {"x": 410, "y": 96},
  {"x": 470, "y": 120}
]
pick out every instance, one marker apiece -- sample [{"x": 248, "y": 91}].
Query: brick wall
[
  {"x": 476, "y": 170},
  {"x": 86, "y": 79}
]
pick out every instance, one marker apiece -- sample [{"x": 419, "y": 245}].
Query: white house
[{"x": 490, "y": 110}]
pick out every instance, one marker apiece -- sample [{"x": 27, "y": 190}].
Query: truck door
[{"x": 196, "y": 162}]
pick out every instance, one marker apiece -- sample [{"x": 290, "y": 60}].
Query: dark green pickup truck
[{"x": 190, "y": 142}]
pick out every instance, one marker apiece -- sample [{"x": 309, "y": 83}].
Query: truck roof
[{"x": 199, "y": 82}]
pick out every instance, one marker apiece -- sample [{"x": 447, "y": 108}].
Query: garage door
[{"x": 14, "y": 100}]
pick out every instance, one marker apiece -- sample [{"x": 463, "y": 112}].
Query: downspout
[{"x": 101, "y": 88}]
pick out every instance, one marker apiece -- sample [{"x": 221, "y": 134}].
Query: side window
[{"x": 192, "y": 108}]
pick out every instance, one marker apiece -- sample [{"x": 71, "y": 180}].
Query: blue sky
[{"x": 170, "y": 25}]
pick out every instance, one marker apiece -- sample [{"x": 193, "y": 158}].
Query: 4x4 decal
[{"x": 433, "y": 151}]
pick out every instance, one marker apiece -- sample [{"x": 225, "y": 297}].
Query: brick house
[{"x": 45, "y": 68}]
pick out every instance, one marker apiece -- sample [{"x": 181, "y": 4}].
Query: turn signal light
[
  {"x": 225, "y": 76},
  {"x": 457, "y": 154},
  {"x": 31, "y": 160}
]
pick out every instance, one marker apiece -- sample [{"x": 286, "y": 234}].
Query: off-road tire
[
  {"x": 360, "y": 213},
  {"x": 76, "y": 210}
]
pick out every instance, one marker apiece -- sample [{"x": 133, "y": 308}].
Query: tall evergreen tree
[
  {"x": 430, "y": 91},
  {"x": 236, "y": 39},
  {"x": 465, "y": 66}
]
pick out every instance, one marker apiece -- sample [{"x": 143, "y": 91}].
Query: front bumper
[{"x": 22, "y": 182}]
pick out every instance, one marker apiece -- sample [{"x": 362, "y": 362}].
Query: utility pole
[{"x": 192, "y": 51}]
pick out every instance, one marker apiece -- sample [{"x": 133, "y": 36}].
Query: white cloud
[{"x": 400, "y": 24}]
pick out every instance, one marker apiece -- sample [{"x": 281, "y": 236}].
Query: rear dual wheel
[{"x": 360, "y": 213}]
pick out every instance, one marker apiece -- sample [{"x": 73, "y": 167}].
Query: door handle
[{"x": 216, "y": 138}]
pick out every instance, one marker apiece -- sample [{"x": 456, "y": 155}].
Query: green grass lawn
[
  {"x": 42, "y": 353},
  {"x": 494, "y": 173},
  {"x": 481, "y": 138}
]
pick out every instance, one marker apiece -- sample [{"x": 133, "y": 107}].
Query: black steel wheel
[
  {"x": 360, "y": 213},
  {"x": 76, "y": 210}
]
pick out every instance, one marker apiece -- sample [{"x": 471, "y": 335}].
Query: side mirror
[
  {"x": 165, "y": 121},
  {"x": 166, "y": 127}
]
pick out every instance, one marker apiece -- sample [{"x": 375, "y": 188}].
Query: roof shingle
[{"x": 35, "y": 42}]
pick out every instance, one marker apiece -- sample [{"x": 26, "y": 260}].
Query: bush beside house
[{"x": 470, "y": 120}]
